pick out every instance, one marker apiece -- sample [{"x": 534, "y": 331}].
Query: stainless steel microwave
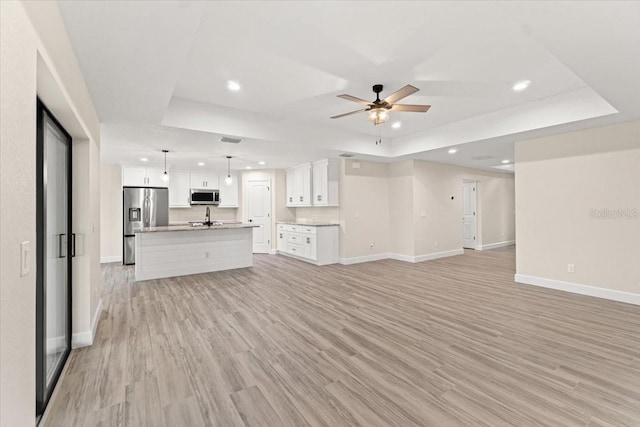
[{"x": 205, "y": 197}]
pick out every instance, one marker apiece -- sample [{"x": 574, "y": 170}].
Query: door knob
[{"x": 250, "y": 220}]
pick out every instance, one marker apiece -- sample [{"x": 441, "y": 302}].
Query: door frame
[
  {"x": 42, "y": 394},
  {"x": 246, "y": 198}
]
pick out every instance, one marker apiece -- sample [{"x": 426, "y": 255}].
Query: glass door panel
[{"x": 54, "y": 251}]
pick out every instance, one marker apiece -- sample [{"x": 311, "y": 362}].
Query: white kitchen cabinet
[
  {"x": 281, "y": 241},
  {"x": 205, "y": 180},
  {"x": 325, "y": 182},
  {"x": 154, "y": 178},
  {"x": 180, "y": 190},
  {"x": 299, "y": 185},
  {"x": 290, "y": 177},
  {"x": 315, "y": 244},
  {"x": 228, "y": 193},
  {"x": 142, "y": 177}
]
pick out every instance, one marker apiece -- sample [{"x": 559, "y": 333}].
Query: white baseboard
[
  {"x": 366, "y": 258},
  {"x": 85, "y": 339},
  {"x": 106, "y": 259},
  {"x": 495, "y": 245},
  {"x": 273, "y": 251},
  {"x": 577, "y": 288},
  {"x": 426, "y": 257},
  {"x": 436, "y": 255},
  {"x": 401, "y": 257},
  {"x": 96, "y": 319},
  {"x": 81, "y": 339}
]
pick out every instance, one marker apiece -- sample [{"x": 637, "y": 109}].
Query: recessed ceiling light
[
  {"x": 144, "y": 159},
  {"x": 521, "y": 85},
  {"x": 505, "y": 162},
  {"x": 248, "y": 167},
  {"x": 200, "y": 164},
  {"x": 396, "y": 125},
  {"x": 452, "y": 151},
  {"x": 262, "y": 163},
  {"x": 232, "y": 85}
]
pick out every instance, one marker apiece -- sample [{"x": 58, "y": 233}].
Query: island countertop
[
  {"x": 166, "y": 228},
  {"x": 309, "y": 223}
]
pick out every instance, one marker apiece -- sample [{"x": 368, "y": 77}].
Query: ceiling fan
[{"x": 378, "y": 109}]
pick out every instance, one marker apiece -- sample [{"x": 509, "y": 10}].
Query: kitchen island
[{"x": 171, "y": 251}]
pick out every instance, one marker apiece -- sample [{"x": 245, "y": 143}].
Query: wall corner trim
[
  {"x": 401, "y": 257},
  {"x": 495, "y": 245},
  {"x": 577, "y": 288},
  {"x": 85, "y": 339},
  {"x": 81, "y": 339},
  {"x": 365, "y": 258},
  {"x": 96, "y": 320}
]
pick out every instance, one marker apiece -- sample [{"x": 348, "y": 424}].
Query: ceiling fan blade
[
  {"x": 414, "y": 108},
  {"x": 401, "y": 93},
  {"x": 348, "y": 114},
  {"x": 354, "y": 99}
]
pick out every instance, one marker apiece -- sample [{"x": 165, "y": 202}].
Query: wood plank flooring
[{"x": 450, "y": 342}]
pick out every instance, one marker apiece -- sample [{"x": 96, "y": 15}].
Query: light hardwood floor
[{"x": 441, "y": 343}]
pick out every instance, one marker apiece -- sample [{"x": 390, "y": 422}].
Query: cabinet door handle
[
  {"x": 291, "y": 199},
  {"x": 301, "y": 198},
  {"x": 319, "y": 198},
  {"x": 73, "y": 245},
  {"x": 308, "y": 239}
]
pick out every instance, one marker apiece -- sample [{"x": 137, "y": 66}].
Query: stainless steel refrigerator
[{"x": 143, "y": 207}]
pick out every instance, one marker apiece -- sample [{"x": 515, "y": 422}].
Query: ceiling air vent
[
  {"x": 483, "y": 157},
  {"x": 230, "y": 140},
  {"x": 347, "y": 155}
]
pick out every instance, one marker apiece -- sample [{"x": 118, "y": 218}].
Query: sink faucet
[{"x": 207, "y": 217}]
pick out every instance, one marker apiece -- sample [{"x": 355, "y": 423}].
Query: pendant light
[
  {"x": 228, "y": 180},
  {"x": 165, "y": 175}
]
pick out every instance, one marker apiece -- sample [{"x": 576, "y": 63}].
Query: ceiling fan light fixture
[{"x": 378, "y": 115}]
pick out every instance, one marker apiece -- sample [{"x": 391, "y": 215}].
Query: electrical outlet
[
  {"x": 435, "y": 244},
  {"x": 571, "y": 268},
  {"x": 371, "y": 245}
]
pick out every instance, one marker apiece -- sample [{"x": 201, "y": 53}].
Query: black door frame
[{"x": 42, "y": 393}]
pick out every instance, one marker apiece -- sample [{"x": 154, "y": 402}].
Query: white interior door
[
  {"x": 259, "y": 213},
  {"x": 469, "y": 215}
]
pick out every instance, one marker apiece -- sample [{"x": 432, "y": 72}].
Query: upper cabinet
[
  {"x": 180, "y": 190},
  {"x": 228, "y": 193},
  {"x": 325, "y": 182},
  {"x": 313, "y": 184},
  {"x": 142, "y": 177},
  {"x": 299, "y": 185},
  {"x": 202, "y": 180}
]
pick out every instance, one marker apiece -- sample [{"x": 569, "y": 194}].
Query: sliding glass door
[{"x": 55, "y": 247}]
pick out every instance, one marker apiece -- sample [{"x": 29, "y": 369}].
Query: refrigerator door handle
[{"x": 147, "y": 208}]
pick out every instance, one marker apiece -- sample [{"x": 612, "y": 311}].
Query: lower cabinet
[{"x": 316, "y": 244}]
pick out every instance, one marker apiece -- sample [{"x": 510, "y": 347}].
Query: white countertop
[
  {"x": 167, "y": 228},
  {"x": 309, "y": 223}
]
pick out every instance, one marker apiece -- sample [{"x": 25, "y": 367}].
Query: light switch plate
[{"x": 25, "y": 250}]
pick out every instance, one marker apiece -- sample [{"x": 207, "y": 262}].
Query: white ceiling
[{"x": 157, "y": 73}]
